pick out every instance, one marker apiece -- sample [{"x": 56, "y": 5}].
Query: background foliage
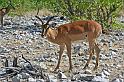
[{"x": 103, "y": 11}]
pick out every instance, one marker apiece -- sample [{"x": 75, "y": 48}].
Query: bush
[{"x": 103, "y": 11}]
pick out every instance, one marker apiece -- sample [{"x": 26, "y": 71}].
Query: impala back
[{"x": 78, "y": 30}]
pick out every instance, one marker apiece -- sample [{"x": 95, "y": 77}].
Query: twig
[
  {"x": 28, "y": 62},
  {"x": 37, "y": 7},
  {"x": 6, "y": 63},
  {"x": 10, "y": 72},
  {"x": 37, "y": 10},
  {"x": 15, "y": 62}
]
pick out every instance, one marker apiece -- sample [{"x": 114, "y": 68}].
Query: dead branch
[
  {"x": 28, "y": 61},
  {"x": 6, "y": 63},
  {"x": 15, "y": 62},
  {"x": 9, "y": 72}
]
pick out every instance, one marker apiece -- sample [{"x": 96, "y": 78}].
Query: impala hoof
[
  {"x": 85, "y": 66},
  {"x": 95, "y": 68},
  {"x": 70, "y": 69},
  {"x": 55, "y": 70}
]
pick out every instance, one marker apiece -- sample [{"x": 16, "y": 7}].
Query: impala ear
[
  {"x": 49, "y": 20},
  {"x": 39, "y": 19}
]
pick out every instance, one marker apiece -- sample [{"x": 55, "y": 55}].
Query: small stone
[
  {"x": 2, "y": 32},
  {"x": 113, "y": 54},
  {"x": 122, "y": 33},
  {"x": 103, "y": 75},
  {"x": 103, "y": 57},
  {"x": 98, "y": 74},
  {"x": 103, "y": 40},
  {"x": 24, "y": 75},
  {"x": 1, "y": 49},
  {"x": 15, "y": 79},
  {"x": 114, "y": 49},
  {"x": 106, "y": 72},
  {"x": 51, "y": 69},
  {"x": 40, "y": 80},
  {"x": 116, "y": 38},
  {"x": 85, "y": 77},
  {"x": 61, "y": 76},
  {"x": 31, "y": 80},
  {"x": 53, "y": 80},
  {"x": 76, "y": 49},
  {"x": 53, "y": 60},
  {"x": 87, "y": 71},
  {"x": 117, "y": 80},
  {"x": 100, "y": 79},
  {"x": 39, "y": 59},
  {"x": 7, "y": 23},
  {"x": 43, "y": 65},
  {"x": 73, "y": 78}
]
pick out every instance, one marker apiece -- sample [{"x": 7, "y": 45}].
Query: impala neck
[{"x": 52, "y": 33}]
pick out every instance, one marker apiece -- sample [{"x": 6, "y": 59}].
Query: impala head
[
  {"x": 10, "y": 5},
  {"x": 45, "y": 26}
]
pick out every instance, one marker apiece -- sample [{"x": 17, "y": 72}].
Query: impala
[
  {"x": 65, "y": 34},
  {"x": 4, "y": 11}
]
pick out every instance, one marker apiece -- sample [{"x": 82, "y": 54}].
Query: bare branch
[
  {"x": 27, "y": 61},
  {"x": 38, "y": 10},
  {"x": 6, "y": 63},
  {"x": 15, "y": 62}
]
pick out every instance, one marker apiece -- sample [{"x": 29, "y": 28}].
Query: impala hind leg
[
  {"x": 60, "y": 55},
  {"x": 69, "y": 55},
  {"x": 91, "y": 49},
  {"x": 97, "y": 54},
  {"x": 91, "y": 52}
]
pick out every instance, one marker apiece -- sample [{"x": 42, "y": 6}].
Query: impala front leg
[
  {"x": 91, "y": 52},
  {"x": 60, "y": 55},
  {"x": 69, "y": 54}
]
